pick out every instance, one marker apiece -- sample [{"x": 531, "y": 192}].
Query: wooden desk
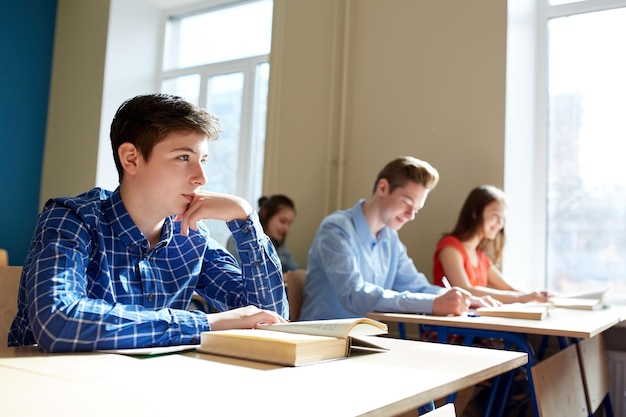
[
  {"x": 377, "y": 384},
  {"x": 562, "y": 323}
]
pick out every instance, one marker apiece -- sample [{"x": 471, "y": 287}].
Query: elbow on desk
[{"x": 55, "y": 332}]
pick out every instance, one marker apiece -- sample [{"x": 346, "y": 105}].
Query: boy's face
[
  {"x": 402, "y": 204},
  {"x": 168, "y": 181}
]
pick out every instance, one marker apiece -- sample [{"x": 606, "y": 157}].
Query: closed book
[
  {"x": 515, "y": 311},
  {"x": 294, "y": 344}
]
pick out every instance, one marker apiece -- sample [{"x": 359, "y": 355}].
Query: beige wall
[
  {"x": 355, "y": 83},
  {"x": 76, "y": 90}
]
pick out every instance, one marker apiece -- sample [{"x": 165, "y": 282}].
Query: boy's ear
[
  {"x": 128, "y": 155},
  {"x": 383, "y": 186}
]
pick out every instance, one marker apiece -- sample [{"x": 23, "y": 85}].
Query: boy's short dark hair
[
  {"x": 407, "y": 168},
  {"x": 146, "y": 120}
]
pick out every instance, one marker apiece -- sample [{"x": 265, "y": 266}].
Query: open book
[
  {"x": 592, "y": 300},
  {"x": 577, "y": 303},
  {"x": 515, "y": 311},
  {"x": 296, "y": 343}
]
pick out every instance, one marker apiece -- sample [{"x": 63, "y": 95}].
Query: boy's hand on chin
[{"x": 210, "y": 205}]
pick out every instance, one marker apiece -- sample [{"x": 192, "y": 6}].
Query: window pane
[
  {"x": 258, "y": 139},
  {"x": 219, "y": 47},
  {"x": 225, "y": 100},
  {"x": 586, "y": 242},
  {"x": 186, "y": 86},
  {"x": 223, "y": 34}
]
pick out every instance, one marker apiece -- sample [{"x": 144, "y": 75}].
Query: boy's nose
[{"x": 200, "y": 177}]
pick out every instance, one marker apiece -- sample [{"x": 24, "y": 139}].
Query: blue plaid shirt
[{"x": 91, "y": 282}]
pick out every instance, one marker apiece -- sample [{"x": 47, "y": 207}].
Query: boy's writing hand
[{"x": 454, "y": 302}]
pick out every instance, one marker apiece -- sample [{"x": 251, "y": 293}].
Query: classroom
[{"x": 353, "y": 84}]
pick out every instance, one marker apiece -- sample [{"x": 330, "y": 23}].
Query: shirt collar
[
  {"x": 124, "y": 226},
  {"x": 363, "y": 232}
]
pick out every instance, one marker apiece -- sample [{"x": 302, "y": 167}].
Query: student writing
[
  {"x": 357, "y": 263},
  {"x": 468, "y": 255}
]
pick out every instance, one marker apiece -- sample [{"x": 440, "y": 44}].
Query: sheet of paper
[{"x": 159, "y": 350}]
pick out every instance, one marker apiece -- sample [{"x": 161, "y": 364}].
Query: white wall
[
  {"x": 523, "y": 260},
  {"x": 132, "y": 56}
]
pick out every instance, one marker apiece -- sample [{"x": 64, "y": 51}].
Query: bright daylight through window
[
  {"x": 219, "y": 59},
  {"x": 586, "y": 184}
]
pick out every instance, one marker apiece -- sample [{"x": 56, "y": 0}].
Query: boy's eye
[{"x": 184, "y": 157}]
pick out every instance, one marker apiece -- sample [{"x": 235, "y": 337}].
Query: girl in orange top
[{"x": 468, "y": 255}]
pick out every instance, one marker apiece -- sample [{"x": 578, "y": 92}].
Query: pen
[{"x": 446, "y": 283}]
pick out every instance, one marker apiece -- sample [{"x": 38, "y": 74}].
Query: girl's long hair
[
  {"x": 471, "y": 220},
  {"x": 269, "y": 207}
]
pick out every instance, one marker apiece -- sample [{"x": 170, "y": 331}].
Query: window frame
[
  {"x": 526, "y": 134},
  {"x": 247, "y": 186}
]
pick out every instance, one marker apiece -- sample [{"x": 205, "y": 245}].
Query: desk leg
[
  {"x": 402, "y": 330},
  {"x": 563, "y": 343},
  {"x": 608, "y": 408},
  {"x": 508, "y": 381},
  {"x": 542, "y": 347},
  {"x": 510, "y": 339}
]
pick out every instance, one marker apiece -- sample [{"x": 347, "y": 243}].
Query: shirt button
[{"x": 149, "y": 297}]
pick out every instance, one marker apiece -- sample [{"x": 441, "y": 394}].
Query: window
[
  {"x": 585, "y": 145},
  {"x": 218, "y": 58}
]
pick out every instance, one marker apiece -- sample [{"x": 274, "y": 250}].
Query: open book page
[
  {"x": 584, "y": 300},
  {"x": 591, "y": 294},
  {"x": 341, "y": 328},
  {"x": 359, "y": 344},
  {"x": 578, "y": 303}
]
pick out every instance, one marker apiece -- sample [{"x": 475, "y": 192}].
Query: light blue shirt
[{"x": 351, "y": 272}]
